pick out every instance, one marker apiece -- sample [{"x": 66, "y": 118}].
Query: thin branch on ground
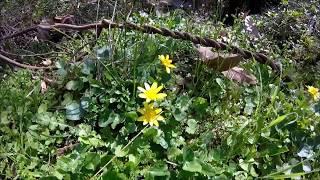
[
  {"x": 15, "y": 63},
  {"x": 107, "y": 24}
]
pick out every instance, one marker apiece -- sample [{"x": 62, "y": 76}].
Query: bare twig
[
  {"x": 106, "y": 24},
  {"x": 10, "y": 61}
]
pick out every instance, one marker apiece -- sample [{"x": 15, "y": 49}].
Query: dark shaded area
[{"x": 233, "y": 7}]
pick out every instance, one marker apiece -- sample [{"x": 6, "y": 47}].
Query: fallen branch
[
  {"x": 10, "y": 61},
  {"x": 106, "y": 24}
]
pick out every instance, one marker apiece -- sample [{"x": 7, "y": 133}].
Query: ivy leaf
[
  {"x": 192, "y": 126},
  {"x": 73, "y": 111},
  {"x": 193, "y": 166}
]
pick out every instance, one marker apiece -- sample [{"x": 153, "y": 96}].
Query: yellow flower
[
  {"x": 151, "y": 93},
  {"x": 314, "y": 92},
  {"x": 166, "y": 62},
  {"x": 150, "y": 115}
]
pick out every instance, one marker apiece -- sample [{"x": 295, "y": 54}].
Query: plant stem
[{"x": 114, "y": 157}]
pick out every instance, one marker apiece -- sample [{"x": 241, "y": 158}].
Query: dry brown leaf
[
  {"x": 47, "y": 62},
  {"x": 240, "y": 75},
  {"x": 218, "y": 61},
  {"x": 44, "y": 86}
]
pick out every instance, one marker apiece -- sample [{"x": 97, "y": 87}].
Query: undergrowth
[{"x": 100, "y": 120}]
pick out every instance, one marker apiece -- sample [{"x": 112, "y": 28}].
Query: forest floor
[{"x": 141, "y": 105}]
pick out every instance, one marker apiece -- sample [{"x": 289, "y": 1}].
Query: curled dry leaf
[
  {"x": 240, "y": 75},
  {"x": 44, "y": 86},
  {"x": 47, "y": 62},
  {"x": 218, "y": 61}
]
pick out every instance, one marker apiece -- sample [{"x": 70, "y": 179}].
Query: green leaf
[
  {"x": 42, "y": 108},
  {"x": 188, "y": 154},
  {"x": 113, "y": 119},
  {"x": 103, "y": 53},
  {"x": 277, "y": 121},
  {"x": 74, "y": 85},
  {"x": 91, "y": 160},
  {"x": 88, "y": 67},
  {"x": 150, "y": 133},
  {"x": 200, "y": 104},
  {"x": 248, "y": 109},
  {"x": 193, "y": 166},
  {"x": 4, "y": 117},
  {"x": 112, "y": 175},
  {"x": 119, "y": 152},
  {"x": 73, "y": 111},
  {"x": 173, "y": 152},
  {"x": 159, "y": 170},
  {"x": 192, "y": 126},
  {"x": 209, "y": 170}
]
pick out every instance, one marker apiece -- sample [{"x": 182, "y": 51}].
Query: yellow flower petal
[
  {"x": 147, "y": 86},
  {"x": 154, "y": 85},
  {"x": 159, "y": 89},
  {"x": 150, "y": 115},
  {"x": 168, "y": 70},
  {"x": 156, "y": 123},
  {"x": 142, "y": 95},
  {"x": 158, "y": 110},
  {"x": 161, "y": 57},
  {"x": 160, "y": 118},
  {"x": 151, "y": 93},
  {"x": 141, "y": 89},
  {"x": 161, "y": 95}
]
